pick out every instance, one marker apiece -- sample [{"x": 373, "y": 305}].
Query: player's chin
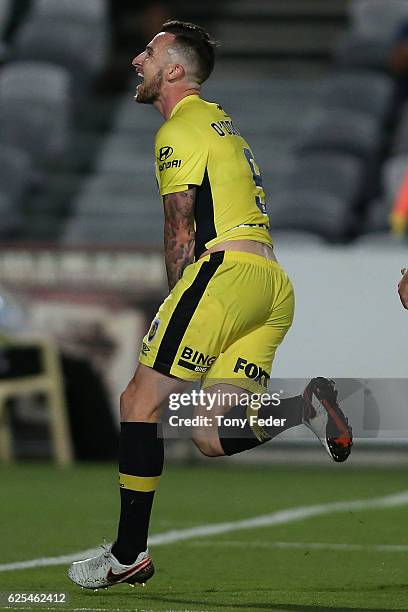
[
  {"x": 143, "y": 96},
  {"x": 140, "y": 94},
  {"x": 142, "y": 100}
]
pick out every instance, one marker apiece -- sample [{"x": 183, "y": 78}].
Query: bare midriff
[{"x": 245, "y": 246}]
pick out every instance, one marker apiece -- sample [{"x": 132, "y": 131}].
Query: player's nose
[{"x": 137, "y": 61}]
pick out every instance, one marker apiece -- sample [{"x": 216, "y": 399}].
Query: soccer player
[
  {"x": 230, "y": 303},
  {"x": 403, "y": 288}
]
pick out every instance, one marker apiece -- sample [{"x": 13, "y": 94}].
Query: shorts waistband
[{"x": 243, "y": 257}]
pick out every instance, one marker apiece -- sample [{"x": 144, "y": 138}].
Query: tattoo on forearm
[{"x": 179, "y": 233}]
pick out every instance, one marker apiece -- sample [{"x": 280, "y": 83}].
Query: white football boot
[
  {"x": 322, "y": 414},
  {"x": 104, "y": 570}
]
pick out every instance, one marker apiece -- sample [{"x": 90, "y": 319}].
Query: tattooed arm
[{"x": 179, "y": 233}]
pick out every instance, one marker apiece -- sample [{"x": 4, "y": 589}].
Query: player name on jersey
[{"x": 225, "y": 127}]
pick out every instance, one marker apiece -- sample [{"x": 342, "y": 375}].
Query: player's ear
[{"x": 175, "y": 72}]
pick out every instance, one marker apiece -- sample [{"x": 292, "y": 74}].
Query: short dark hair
[{"x": 197, "y": 42}]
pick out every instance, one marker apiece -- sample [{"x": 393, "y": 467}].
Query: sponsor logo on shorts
[
  {"x": 165, "y": 153},
  {"x": 195, "y": 360},
  {"x": 176, "y": 163},
  {"x": 145, "y": 349},
  {"x": 252, "y": 371},
  {"x": 153, "y": 330}
]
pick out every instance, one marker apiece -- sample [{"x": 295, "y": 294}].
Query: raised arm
[{"x": 179, "y": 233}]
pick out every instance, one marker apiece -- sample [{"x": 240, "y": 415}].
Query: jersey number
[{"x": 256, "y": 175}]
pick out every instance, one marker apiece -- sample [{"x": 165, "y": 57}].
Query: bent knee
[{"x": 134, "y": 408}]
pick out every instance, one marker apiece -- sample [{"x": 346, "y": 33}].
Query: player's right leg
[{"x": 140, "y": 467}]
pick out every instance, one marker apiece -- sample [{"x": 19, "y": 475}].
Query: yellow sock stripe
[
  {"x": 259, "y": 433},
  {"x": 138, "y": 483}
]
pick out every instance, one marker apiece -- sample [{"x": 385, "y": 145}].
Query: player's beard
[{"x": 149, "y": 93}]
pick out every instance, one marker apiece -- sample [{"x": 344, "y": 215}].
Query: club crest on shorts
[{"x": 153, "y": 329}]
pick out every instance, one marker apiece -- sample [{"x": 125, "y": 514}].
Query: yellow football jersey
[{"x": 199, "y": 145}]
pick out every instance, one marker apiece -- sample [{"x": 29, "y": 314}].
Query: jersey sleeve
[{"x": 181, "y": 157}]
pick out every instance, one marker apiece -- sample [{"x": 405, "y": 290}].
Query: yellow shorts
[{"x": 223, "y": 320}]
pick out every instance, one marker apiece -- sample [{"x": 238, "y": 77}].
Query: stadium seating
[
  {"x": 399, "y": 144},
  {"x": 367, "y": 46},
  {"x": 339, "y": 175},
  {"x": 78, "y": 49},
  {"x": 4, "y": 17},
  {"x": 276, "y": 172},
  {"x": 276, "y": 116},
  {"x": 91, "y": 12},
  {"x": 278, "y": 103},
  {"x": 362, "y": 51},
  {"x": 341, "y": 131},
  {"x": 48, "y": 109},
  {"x": 10, "y": 217},
  {"x": 319, "y": 195},
  {"x": 125, "y": 153},
  {"x": 377, "y": 217},
  {"x": 374, "y": 24},
  {"x": 39, "y": 81},
  {"x": 320, "y": 135},
  {"x": 15, "y": 173},
  {"x": 363, "y": 92},
  {"x": 129, "y": 116},
  {"x": 118, "y": 194},
  {"x": 378, "y": 17},
  {"x": 35, "y": 107},
  {"x": 117, "y": 207},
  {"x": 312, "y": 211},
  {"x": 79, "y": 158}
]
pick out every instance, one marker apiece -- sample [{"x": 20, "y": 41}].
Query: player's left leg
[
  {"x": 248, "y": 424},
  {"x": 237, "y": 387},
  {"x": 239, "y": 430},
  {"x": 252, "y": 420}
]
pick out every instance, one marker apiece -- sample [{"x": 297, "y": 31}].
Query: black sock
[
  {"x": 140, "y": 466},
  {"x": 235, "y": 439}
]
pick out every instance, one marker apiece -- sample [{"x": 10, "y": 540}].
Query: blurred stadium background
[{"x": 319, "y": 88}]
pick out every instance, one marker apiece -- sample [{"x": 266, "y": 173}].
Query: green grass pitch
[{"x": 47, "y": 512}]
